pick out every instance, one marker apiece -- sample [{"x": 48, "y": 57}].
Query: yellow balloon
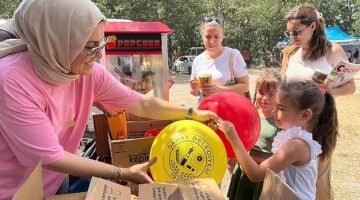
[{"x": 187, "y": 150}]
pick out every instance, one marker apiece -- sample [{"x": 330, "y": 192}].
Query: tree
[
  {"x": 252, "y": 25},
  {"x": 7, "y": 8}
]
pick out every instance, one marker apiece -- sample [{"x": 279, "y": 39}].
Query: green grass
[{"x": 346, "y": 158}]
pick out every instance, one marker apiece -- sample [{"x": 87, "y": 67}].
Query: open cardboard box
[
  {"x": 101, "y": 189},
  {"x": 136, "y": 150},
  {"x": 202, "y": 189},
  {"x": 135, "y": 129},
  {"x": 32, "y": 189},
  {"x": 126, "y": 153}
]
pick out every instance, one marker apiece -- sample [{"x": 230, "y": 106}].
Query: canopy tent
[{"x": 333, "y": 34}]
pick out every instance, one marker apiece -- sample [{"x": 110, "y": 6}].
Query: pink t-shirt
[{"x": 36, "y": 119}]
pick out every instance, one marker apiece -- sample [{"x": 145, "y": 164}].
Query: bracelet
[
  {"x": 117, "y": 174},
  {"x": 189, "y": 113}
]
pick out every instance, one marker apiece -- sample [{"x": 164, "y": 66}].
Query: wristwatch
[{"x": 189, "y": 113}]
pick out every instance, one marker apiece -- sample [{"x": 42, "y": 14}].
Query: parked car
[
  {"x": 195, "y": 51},
  {"x": 184, "y": 63}
]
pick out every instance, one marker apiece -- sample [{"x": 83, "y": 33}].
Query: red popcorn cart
[{"x": 136, "y": 54}]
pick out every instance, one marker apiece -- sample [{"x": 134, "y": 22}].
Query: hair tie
[
  {"x": 323, "y": 91},
  {"x": 319, "y": 15}
]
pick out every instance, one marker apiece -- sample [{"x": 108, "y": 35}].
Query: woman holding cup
[{"x": 218, "y": 68}]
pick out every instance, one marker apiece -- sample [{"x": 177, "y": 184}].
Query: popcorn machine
[{"x": 136, "y": 54}]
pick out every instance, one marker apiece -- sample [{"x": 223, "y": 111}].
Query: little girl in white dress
[{"x": 308, "y": 118}]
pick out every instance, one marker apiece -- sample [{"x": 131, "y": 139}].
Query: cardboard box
[
  {"x": 32, "y": 189},
  {"x": 126, "y": 153},
  {"x": 136, "y": 149},
  {"x": 275, "y": 188},
  {"x": 201, "y": 189},
  {"x": 137, "y": 129},
  {"x": 101, "y": 189}
]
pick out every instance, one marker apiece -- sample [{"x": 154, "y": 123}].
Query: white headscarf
[{"x": 54, "y": 32}]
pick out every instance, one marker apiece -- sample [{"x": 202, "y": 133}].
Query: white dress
[{"x": 300, "y": 178}]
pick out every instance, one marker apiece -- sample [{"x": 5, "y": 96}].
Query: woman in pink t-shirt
[{"x": 48, "y": 83}]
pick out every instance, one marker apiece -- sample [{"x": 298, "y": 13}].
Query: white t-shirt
[{"x": 219, "y": 67}]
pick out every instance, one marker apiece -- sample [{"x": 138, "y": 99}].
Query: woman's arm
[
  {"x": 346, "y": 89},
  {"x": 154, "y": 108},
  {"x": 83, "y": 167},
  {"x": 334, "y": 56},
  {"x": 241, "y": 86}
]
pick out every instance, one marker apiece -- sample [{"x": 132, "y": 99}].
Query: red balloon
[
  {"x": 238, "y": 110},
  {"x": 153, "y": 132}
]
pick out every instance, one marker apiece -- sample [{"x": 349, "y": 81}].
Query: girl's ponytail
[{"x": 326, "y": 130}]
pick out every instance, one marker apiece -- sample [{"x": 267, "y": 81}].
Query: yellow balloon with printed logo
[{"x": 188, "y": 150}]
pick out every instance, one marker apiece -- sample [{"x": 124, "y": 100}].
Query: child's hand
[{"x": 228, "y": 129}]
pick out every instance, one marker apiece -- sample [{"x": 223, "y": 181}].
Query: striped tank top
[{"x": 299, "y": 70}]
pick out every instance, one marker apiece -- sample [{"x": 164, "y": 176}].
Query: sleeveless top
[
  {"x": 299, "y": 70},
  {"x": 300, "y": 178}
]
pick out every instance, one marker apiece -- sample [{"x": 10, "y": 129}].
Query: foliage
[
  {"x": 7, "y": 8},
  {"x": 252, "y": 25}
]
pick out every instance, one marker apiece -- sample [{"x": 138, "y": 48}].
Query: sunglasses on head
[
  {"x": 214, "y": 19},
  {"x": 92, "y": 51},
  {"x": 294, "y": 32}
]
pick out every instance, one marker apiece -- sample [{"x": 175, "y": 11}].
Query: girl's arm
[{"x": 287, "y": 155}]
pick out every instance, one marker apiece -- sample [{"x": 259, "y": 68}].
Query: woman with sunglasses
[
  {"x": 226, "y": 66},
  {"x": 312, "y": 57},
  {"x": 310, "y": 51},
  {"x": 48, "y": 83}
]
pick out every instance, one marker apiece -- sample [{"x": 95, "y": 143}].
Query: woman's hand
[
  {"x": 139, "y": 173},
  {"x": 210, "y": 89},
  {"x": 204, "y": 115},
  {"x": 194, "y": 87},
  {"x": 194, "y": 84},
  {"x": 324, "y": 85}
]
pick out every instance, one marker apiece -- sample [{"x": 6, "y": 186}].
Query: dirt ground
[{"x": 346, "y": 159}]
